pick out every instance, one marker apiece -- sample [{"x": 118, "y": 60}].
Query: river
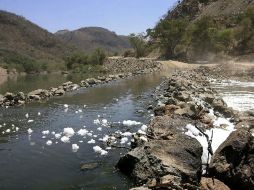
[
  {"x": 27, "y": 162},
  {"x": 41, "y": 161}
]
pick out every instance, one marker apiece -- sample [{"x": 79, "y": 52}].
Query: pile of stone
[
  {"x": 20, "y": 98},
  {"x": 131, "y": 65},
  {"x": 170, "y": 159}
]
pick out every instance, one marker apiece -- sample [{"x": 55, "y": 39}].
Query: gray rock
[
  {"x": 67, "y": 83},
  {"x": 83, "y": 83},
  {"x": 88, "y": 166},
  {"x": 39, "y": 92},
  {"x": 233, "y": 161},
  {"x": 169, "y": 152},
  {"x": 92, "y": 81},
  {"x": 212, "y": 184},
  {"x": 9, "y": 96},
  {"x": 140, "y": 188},
  {"x": 59, "y": 92},
  {"x": 34, "y": 97},
  {"x": 20, "y": 96}
]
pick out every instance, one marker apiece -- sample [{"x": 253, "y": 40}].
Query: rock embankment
[
  {"x": 136, "y": 67},
  {"x": 130, "y": 65},
  {"x": 185, "y": 146}
]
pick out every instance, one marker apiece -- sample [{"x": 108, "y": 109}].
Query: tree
[
  {"x": 139, "y": 44},
  {"x": 168, "y": 34}
]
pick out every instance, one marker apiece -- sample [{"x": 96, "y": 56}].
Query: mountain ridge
[{"x": 90, "y": 38}]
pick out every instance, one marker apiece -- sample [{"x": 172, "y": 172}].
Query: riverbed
[{"x": 33, "y": 158}]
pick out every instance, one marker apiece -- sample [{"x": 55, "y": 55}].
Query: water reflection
[{"x": 28, "y": 163}]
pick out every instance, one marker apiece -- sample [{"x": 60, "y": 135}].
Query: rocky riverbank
[
  {"x": 194, "y": 141},
  {"x": 124, "y": 67}
]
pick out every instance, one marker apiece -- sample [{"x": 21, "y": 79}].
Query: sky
[{"x": 121, "y": 16}]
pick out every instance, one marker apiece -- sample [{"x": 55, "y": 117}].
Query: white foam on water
[
  {"x": 130, "y": 123},
  {"x": 219, "y": 136},
  {"x": 82, "y": 132},
  {"x": 30, "y": 121},
  {"x": 57, "y": 136},
  {"x": 65, "y": 139},
  {"x": 99, "y": 150},
  {"x": 8, "y": 131},
  {"x": 49, "y": 143},
  {"x": 124, "y": 140},
  {"x": 237, "y": 94},
  {"x": 96, "y": 121},
  {"x": 68, "y": 132},
  {"x": 29, "y": 131},
  {"x": 127, "y": 134},
  {"x": 92, "y": 141},
  {"x": 75, "y": 147},
  {"x": 45, "y": 132},
  {"x": 144, "y": 128}
]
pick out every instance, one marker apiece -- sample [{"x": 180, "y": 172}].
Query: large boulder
[
  {"x": 169, "y": 158},
  {"x": 233, "y": 162},
  {"x": 212, "y": 184},
  {"x": 39, "y": 92}
]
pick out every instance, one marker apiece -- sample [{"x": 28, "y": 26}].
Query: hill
[
  {"x": 91, "y": 38},
  {"x": 206, "y": 30},
  {"x": 27, "y": 47}
]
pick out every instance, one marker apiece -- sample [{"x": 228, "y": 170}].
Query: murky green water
[
  {"x": 28, "y": 83},
  {"x": 26, "y": 162}
]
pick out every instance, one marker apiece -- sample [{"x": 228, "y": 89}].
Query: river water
[
  {"x": 237, "y": 94},
  {"x": 27, "y": 162}
]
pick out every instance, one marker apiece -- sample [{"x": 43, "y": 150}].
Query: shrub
[
  {"x": 129, "y": 53},
  {"x": 139, "y": 44},
  {"x": 80, "y": 59},
  {"x": 22, "y": 63},
  {"x": 97, "y": 57},
  {"x": 168, "y": 34}
]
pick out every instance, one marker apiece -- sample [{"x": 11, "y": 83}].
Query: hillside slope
[
  {"x": 24, "y": 45},
  {"x": 194, "y": 9},
  {"x": 203, "y": 30},
  {"x": 90, "y": 38}
]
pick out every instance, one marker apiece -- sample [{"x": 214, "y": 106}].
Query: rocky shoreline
[
  {"x": 194, "y": 141},
  {"x": 124, "y": 67}
]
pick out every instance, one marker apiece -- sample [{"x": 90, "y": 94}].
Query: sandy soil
[{"x": 232, "y": 69}]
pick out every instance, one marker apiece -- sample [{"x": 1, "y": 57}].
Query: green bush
[
  {"x": 78, "y": 60},
  {"x": 23, "y": 63},
  {"x": 168, "y": 34},
  {"x": 139, "y": 44},
  {"x": 97, "y": 57}
]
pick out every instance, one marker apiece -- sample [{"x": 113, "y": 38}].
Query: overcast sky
[{"x": 122, "y": 16}]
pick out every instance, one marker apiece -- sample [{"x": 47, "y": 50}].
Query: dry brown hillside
[
  {"x": 22, "y": 42},
  {"x": 91, "y": 38}
]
